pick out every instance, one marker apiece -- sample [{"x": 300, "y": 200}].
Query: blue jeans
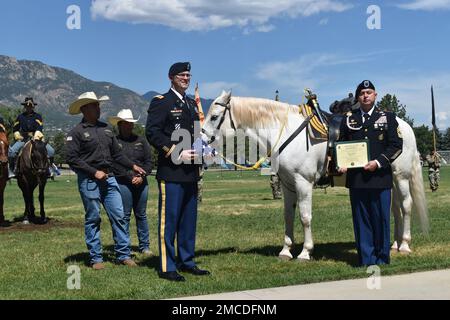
[
  {"x": 93, "y": 193},
  {"x": 135, "y": 198},
  {"x": 18, "y": 145}
]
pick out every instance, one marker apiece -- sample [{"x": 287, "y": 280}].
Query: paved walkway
[{"x": 433, "y": 285}]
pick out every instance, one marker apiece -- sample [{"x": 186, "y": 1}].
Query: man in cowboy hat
[
  {"x": 91, "y": 150},
  {"x": 133, "y": 187},
  {"x": 370, "y": 186},
  {"x": 28, "y": 125},
  {"x": 177, "y": 174}
]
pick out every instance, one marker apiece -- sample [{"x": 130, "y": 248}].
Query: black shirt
[
  {"x": 385, "y": 145},
  {"x": 138, "y": 151},
  {"x": 93, "y": 147}
]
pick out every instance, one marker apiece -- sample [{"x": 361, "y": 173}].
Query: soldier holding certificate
[{"x": 370, "y": 186}]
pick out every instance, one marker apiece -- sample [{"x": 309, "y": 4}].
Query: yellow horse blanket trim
[{"x": 317, "y": 129}]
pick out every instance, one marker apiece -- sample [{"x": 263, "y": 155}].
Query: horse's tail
[{"x": 418, "y": 194}]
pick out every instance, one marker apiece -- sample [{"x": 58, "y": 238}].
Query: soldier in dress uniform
[
  {"x": 434, "y": 165},
  {"x": 28, "y": 125},
  {"x": 92, "y": 150},
  {"x": 178, "y": 172},
  {"x": 370, "y": 187}
]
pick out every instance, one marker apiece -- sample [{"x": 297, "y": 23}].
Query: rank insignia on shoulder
[{"x": 159, "y": 97}]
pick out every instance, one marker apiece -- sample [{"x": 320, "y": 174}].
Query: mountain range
[{"x": 54, "y": 88}]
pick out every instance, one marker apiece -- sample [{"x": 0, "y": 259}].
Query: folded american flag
[{"x": 201, "y": 147}]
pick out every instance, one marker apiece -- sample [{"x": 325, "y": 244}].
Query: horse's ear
[{"x": 227, "y": 96}]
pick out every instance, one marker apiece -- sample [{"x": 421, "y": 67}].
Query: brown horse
[
  {"x": 32, "y": 171},
  {"x": 3, "y": 170}
]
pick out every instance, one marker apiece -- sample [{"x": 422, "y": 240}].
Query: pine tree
[{"x": 391, "y": 103}]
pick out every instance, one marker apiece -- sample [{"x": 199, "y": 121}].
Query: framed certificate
[{"x": 351, "y": 154}]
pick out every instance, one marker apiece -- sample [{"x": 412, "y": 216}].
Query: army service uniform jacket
[
  {"x": 166, "y": 114},
  {"x": 385, "y": 144}
]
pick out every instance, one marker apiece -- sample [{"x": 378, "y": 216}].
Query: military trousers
[
  {"x": 177, "y": 209},
  {"x": 371, "y": 213}
]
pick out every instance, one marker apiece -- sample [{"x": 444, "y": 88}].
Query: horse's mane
[{"x": 260, "y": 113}]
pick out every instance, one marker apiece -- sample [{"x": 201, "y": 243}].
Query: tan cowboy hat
[
  {"x": 84, "y": 99},
  {"x": 123, "y": 115}
]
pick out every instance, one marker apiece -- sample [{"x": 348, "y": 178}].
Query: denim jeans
[
  {"x": 18, "y": 145},
  {"x": 135, "y": 198},
  {"x": 93, "y": 193}
]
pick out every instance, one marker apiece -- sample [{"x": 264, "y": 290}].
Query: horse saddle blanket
[{"x": 317, "y": 129}]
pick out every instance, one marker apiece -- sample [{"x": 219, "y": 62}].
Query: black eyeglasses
[{"x": 184, "y": 75}]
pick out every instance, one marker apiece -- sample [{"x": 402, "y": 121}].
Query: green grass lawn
[{"x": 240, "y": 232}]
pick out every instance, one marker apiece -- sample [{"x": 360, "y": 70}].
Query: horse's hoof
[
  {"x": 284, "y": 258},
  {"x": 303, "y": 260},
  {"x": 26, "y": 222}
]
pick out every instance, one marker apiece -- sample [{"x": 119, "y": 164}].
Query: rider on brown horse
[{"x": 28, "y": 125}]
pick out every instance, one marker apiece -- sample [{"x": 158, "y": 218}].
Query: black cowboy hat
[{"x": 27, "y": 101}]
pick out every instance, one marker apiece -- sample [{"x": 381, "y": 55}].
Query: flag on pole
[
  {"x": 199, "y": 106},
  {"x": 433, "y": 118}
]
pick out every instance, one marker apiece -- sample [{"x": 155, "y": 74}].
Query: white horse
[{"x": 301, "y": 166}]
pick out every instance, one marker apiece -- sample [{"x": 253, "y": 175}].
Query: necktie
[{"x": 366, "y": 117}]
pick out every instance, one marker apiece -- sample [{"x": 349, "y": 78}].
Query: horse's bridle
[
  {"x": 37, "y": 170},
  {"x": 227, "y": 107}
]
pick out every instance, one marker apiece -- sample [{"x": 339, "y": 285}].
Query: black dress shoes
[
  {"x": 171, "y": 276},
  {"x": 195, "y": 271}
]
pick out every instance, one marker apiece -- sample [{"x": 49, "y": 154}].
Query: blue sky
[{"x": 253, "y": 47}]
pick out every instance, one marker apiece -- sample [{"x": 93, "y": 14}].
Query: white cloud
[
  {"x": 296, "y": 74},
  {"x": 323, "y": 22},
  {"x": 414, "y": 91},
  {"x": 428, "y": 5},
  {"x": 205, "y": 15},
  {"x": 316, "y": 71},
  {"x": 213, "y": 89}
]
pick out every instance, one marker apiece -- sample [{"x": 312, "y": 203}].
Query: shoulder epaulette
[{"x": 159, "y": 97}]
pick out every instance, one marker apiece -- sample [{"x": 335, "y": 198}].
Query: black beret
[
  {"x": 179, "y": 67},
  {"x": 366, "y": 84}
]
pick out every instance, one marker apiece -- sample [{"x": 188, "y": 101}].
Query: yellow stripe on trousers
[{"x": 162, "y": 227}]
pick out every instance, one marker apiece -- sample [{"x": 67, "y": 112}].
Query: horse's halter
[{"x": 227, "y": 107}]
